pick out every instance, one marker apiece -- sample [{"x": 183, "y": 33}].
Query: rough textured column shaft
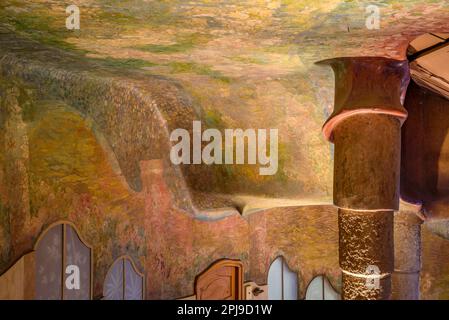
[
  {"x": 407, "y": 251},
  {"x": 366, "y": 190},
  {"x": 365, "y": 128}
]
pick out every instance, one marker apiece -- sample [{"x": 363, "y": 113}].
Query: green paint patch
[
  {"x": 283, "y": 156},
  {"x": 123, "y": 63},
  {"x": 213, "y": 119},
  {"x": 196, "y": 68},
  {"x": 183, "y": 43},
  {"x": 166, "y": 49},
  {"x": 139, "y": 13},
  {"x": 281, "y": 49},
  {"x": 249, "y": 60},
  {"x": 4, "y": 217},
  {"x": 28, "y": 111},
  {"x": 39, "y": 26},
  {"x": 116, "y": 17}
]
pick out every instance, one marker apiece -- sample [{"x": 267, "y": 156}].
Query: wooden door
[{"x": 223, "y": 280}]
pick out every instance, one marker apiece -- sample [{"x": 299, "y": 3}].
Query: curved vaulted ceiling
[{"x": 240, "y": 64}]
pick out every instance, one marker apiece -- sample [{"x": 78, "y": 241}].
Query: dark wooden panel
[{"x": 221, "y": 281}]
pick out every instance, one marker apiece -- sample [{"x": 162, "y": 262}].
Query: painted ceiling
[{"x": 243, "y": 64}]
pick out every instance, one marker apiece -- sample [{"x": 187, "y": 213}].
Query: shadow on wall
[
  {"x": 425, "y": 147},
  {"x": 425, "y": 143}
]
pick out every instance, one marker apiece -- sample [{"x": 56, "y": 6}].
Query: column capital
[{"x": 367, "y": 85}]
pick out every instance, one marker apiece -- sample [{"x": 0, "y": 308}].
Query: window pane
[
  {"x": 275, "y": 280},
  {"x": 77, "y": 267},
  {"x": 290, "y": 284},
  {"x": 329, "y": 292},
  {"x": 113, "y": 284},
  {"x": 133, "y": 283},
  {"x": 315, "y": 289},
  {"x": 49, "y": 265}
]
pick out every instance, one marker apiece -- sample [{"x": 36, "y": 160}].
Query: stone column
[
  {"x": 407, "y": 251},
  {"x": 365, "y": 128}
]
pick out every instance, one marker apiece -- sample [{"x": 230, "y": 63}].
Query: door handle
[{"x": 257, "y": 291}]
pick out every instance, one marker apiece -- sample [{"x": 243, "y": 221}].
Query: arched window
[
  {"x": 63, "y": 264},
  {"x": 321, "y": 289},
  {"x": 282, "y": 282},
  {"x": 123, "y": 281}
]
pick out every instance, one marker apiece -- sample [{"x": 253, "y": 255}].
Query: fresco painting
[{"x": 87, "y": 116}]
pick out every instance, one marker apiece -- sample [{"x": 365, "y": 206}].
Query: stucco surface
[{"x": 95, "y": 106}]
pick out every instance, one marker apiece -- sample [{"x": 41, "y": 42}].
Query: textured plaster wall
[
  {"x": 51, "y": 150},
  {"x": 69, "y": 175},
  {"x": 78, "y": 151},
  {"x": 180, "y": 246},
  {"x": 434, "y": 283},
  {"x": 307, "y": 237}
]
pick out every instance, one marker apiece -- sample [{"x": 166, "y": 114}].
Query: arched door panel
[
  {"x": 49, "y": 265},
  {"x": 282, "y": 282},
  {"x": 134, "y": 282},
  {"x": 123, "y": 281},
  {"x": 63, "y": 265},
  {"x": 221, "y": 281},
  {"x": 77, "y": 260},
  {"x": 321, "y": 289}
]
